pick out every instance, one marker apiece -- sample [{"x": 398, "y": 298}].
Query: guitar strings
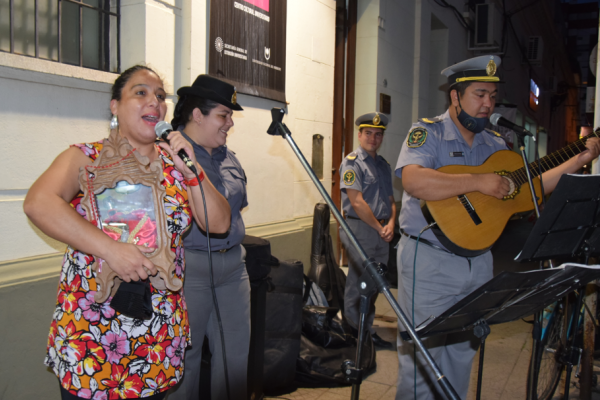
[{"x": 550, "y": 161}]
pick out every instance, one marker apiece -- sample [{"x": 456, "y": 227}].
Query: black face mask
[{"x": 473, "y": 124}]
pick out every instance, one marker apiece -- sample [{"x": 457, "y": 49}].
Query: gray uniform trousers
[
  {"x": 232, "y": 288},
  {"x": 376, "y": 248},
  {"x": 442, "y": 280}
]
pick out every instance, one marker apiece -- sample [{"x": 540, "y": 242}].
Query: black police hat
[{"x": 213, "y": 89}]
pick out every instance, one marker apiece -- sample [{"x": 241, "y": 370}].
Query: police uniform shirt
[
  {"x": 372, "y": 177},
  {"x": 434, "y": 145},
  {"x": 226, "y": 174}
]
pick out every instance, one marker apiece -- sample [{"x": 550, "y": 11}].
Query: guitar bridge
[{"x": 464, "y": 200}]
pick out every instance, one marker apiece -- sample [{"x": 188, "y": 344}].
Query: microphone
[
  {"x": 499, "y": 120},
  {"x": 162, "y": 130}
]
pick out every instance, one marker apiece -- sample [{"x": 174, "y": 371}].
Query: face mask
[{"x": 473, "y": 124}]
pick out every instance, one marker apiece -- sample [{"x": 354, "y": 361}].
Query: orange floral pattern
[{"x": 100, "y": 354}]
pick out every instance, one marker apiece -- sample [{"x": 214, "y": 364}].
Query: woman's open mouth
[{"x": 151, "y": 119}]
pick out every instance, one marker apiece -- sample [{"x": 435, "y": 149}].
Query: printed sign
[{"x": 248, "y": 45}]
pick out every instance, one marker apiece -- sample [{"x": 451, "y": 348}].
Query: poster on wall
[{"x": 247, "y": 45}]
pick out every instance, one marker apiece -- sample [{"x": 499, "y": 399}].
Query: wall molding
[
  {"x": 50, "y": 67},
  {"x": 32, "y": 269},
  {"x": 280, "y": 227},
  {"x": 13, "y": 194}
]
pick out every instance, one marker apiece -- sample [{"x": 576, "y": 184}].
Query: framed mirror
[{"x": 124, "y": 196}]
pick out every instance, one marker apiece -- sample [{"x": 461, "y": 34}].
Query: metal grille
[{"x": 77, "y": 32}]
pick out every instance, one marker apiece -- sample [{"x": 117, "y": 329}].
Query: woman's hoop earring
[{"x": 114, "y": 122}]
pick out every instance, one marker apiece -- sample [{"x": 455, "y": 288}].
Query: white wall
[
  {"x": 46, "y": 106},
  {"x": 279, "y": 189},
  {"x": 42, "y": 113},
  {"x": 409, "y": 53},
  {"x": 395, "y": 64}
]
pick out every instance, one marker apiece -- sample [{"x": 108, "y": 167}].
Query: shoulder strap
[{"x": 430, "y": 120}]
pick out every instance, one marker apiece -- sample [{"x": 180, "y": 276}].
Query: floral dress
[{"x": 96, "y": 352}]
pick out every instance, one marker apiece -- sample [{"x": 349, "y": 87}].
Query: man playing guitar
[{"x": 442, "y": 278}]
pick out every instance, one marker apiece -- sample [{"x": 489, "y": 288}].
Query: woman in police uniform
[{"x": 204, "y": 115}]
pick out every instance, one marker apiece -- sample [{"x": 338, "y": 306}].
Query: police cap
[
  {"x": 372, "y": 120},
  {"x": 477, "y": 69}
]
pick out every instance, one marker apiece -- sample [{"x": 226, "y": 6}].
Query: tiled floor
[{"x": 507, "y": 353}]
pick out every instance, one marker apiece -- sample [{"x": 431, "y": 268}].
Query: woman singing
[{"x": 96, "y": 352}]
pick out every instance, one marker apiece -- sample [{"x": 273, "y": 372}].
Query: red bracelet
[{"x": 194, "y": 182}]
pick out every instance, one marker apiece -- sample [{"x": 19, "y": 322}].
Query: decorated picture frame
[{"x": 123, "y": 196}]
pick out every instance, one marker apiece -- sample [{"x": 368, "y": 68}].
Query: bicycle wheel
[{"x": 546, "y": 367}]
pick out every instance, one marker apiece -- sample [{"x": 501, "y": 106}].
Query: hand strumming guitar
[{"x": 492, "y": 185}]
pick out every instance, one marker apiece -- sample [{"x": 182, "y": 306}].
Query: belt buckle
[{"x": 223, "y": 250}]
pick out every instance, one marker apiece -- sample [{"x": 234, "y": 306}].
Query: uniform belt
[
  {"x": 381, "y": 221},
  {"x": 215, "y": 251},
  {"x": 427, "y": 242}
]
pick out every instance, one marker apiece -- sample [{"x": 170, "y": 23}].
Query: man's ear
[{"x": 454, "y": 97}]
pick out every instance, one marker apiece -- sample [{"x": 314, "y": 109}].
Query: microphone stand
[
  {"x": 371, "y": 279},
  {"x": 521, "y": 138},
  {"x": 536, "y": 332}
]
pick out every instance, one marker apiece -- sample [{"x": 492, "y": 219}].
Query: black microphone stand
[
  {"x": 521, "y": 139},
  {"x": 370, "y": 281},
  {"x": 536, "y": 318}
]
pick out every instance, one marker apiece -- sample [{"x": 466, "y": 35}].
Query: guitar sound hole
[{"x": 513, "y": 187}]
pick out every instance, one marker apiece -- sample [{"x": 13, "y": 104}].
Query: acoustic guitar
[{"x": 469, "y": 224}]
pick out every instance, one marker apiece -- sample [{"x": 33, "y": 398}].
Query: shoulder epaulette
[
  {"x": 493, "y": 132},
  {"x": 352, "y": 156},
  {"x": 430, "y": 120}
]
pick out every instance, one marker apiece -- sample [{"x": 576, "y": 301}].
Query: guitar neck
[{"x": 551, "y": 160}]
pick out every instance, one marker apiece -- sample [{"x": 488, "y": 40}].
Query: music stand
[
  {"x": 570, "y": 221},
  {"x": 507, "y": 297},
  {"x": 567, "y": 227}
]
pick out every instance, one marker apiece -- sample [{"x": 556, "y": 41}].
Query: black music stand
[
  {"x": 507, "y": 297},
  {"x": 570, "y": 222},
  {"x": 569, "y": 226}
]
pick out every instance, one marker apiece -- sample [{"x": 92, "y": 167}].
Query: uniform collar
[
  {"x": 218, "y": 153},
  {"x": 451, "y": 132},
  {"x": 363, "y": 155}
]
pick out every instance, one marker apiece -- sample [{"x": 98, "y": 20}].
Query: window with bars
[{"x": 77, "y": 32}]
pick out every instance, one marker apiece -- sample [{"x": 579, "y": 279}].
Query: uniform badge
[
  {"x": 491, "y": 68},
  {"x": 349, "y": 177},
  {"x": 376, "y": 119},
  {"x": 416, "y": 137},
  {"x": 234, "y": 97}
]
